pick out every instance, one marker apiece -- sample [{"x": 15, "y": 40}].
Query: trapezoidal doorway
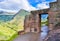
[{"x": 44, "y": 21}]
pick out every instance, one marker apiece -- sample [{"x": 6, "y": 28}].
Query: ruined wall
[
  {"x": 53, "y": 14},
  {"x": 27, "y": 24},
  {"x": 33, "y": 21}
]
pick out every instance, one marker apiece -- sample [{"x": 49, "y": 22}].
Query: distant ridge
[{"x": 7, "y": 13}]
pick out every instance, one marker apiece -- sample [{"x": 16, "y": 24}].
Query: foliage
[{"x": 46, "y": 23}]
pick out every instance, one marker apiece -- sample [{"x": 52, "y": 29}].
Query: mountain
[
  {"x": 19, "y": 19},
  {"x": 6, "y": 16},
  {"x": 15, "y": 21},
  {"x": 9, "y": 30},
  {"x": 7, "y": 13}
]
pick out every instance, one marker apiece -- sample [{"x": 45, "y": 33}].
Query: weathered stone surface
[
  {"x": 53, "y": 35},
  {"x": 27, "y": 24},
  {"x": 34, "y": 21},
  {"x": 27, "y": 37}
]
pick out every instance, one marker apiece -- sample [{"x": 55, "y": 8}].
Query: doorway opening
[{"x": 44, "y": 22}]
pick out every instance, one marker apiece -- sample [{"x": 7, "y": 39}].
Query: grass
[
  {"x": 46, "y": 23},
  {"x": 9, "y": 31},
  {"x": 6, "y": 33}
]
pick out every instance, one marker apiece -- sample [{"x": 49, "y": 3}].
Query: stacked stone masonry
[{"x": 32, "y": 21}]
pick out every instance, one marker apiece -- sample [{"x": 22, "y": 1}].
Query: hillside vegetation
[{"x": 10, "y": 28}]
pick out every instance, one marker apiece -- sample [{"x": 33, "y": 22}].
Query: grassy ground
[{"x": 8, "y": 31}]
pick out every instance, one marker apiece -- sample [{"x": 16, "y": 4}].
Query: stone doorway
[{"x": 44, "y": 21}]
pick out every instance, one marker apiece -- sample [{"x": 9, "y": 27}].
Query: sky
[
  {"x": 28, "y": 5},
  {"x": 44, "y": 17}
]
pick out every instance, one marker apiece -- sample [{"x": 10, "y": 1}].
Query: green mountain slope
[
  {"x": 9, "y": 29},
  {"x": 18, "y": 20}
]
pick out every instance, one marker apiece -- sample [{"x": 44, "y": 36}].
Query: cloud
[
  {"x": 16, "y": 5},
  {"x": 1, "y": 0},
  {"x": 10, "y": 5},
  {"x": 27, "y": 6},
  {"x": 40, "y": 4},
  {"x": 8, "y": 10},
  {"x": 43, "y": 5}
]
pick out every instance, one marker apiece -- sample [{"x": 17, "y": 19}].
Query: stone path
[
  {"x": 33, "y": 36},
  {"x": 27, "y": 37}
]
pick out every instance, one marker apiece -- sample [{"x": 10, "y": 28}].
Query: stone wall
[{"x": 33, "y": 21}]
